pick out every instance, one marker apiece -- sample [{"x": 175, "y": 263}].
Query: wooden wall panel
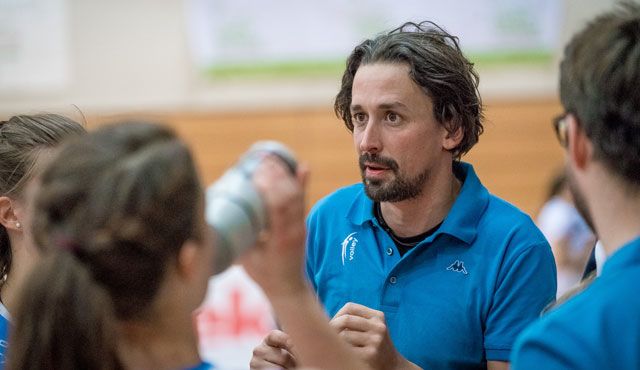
[
  {"x": 518, "y": 153},
  {"x": 514, "y": 158}
]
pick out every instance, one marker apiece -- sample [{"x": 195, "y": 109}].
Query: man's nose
[{"x": 370, "y": 140}]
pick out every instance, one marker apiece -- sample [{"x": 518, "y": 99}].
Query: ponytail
[{"x": 65, "y": 320}]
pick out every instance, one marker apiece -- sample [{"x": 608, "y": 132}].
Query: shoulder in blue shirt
[{"x": 597, "y": 329}]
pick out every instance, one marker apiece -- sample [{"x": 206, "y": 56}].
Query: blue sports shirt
[
  {"x": 202, "y": 366},
  {"x": 4, "y": 334},
  {"x": 597, "y": 329},
  {"x": 456, "y": 300}
]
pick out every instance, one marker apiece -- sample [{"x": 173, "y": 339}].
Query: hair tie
[{"x": 68, "y": 244}]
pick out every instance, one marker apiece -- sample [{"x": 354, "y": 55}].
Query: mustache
[{"x": 377, "y": 159}]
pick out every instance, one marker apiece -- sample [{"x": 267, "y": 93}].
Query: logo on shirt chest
[
  {"x": 349, "y": 247},
  {"x": 458, "y": 266}
]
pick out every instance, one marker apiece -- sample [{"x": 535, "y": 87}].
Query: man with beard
[
  {"x": 600, "y": 327},
  {"x": 419, "y": 265}
]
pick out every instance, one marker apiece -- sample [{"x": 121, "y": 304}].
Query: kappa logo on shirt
[
  {"x": 458, "y": 266},
  {"x": 349, "y": 247}
]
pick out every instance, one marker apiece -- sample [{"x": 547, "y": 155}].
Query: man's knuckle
[
  {"x": 380, "y": 327},
  {"x": 369, "y": 352},
  {"x": 348, "y": 321},
  {"x": 258, "y": 351},
  {"x": 377, "y": 339}
]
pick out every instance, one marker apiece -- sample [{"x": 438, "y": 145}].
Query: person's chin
[
  {"x": 374, "y": 186},
  {"x": 374, "y": 182}
]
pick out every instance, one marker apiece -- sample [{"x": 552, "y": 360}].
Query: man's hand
[
  {"x": 365, "y": 329},
  {"x": 274, "y": 351},
  {"x": 276, "y": 262}
]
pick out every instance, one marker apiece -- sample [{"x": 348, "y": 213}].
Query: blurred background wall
[{"x": 135, "y": 58}]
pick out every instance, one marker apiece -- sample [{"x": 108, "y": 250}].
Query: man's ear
[
  {"x": 580, "y": 150},
  {"x": 8, "y": 217},
  {"x": 452, "y": 137}
]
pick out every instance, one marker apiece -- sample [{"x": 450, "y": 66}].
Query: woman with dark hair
[
  {"x": 25, "y": 143},
  {"x": 128, "y": 254}
]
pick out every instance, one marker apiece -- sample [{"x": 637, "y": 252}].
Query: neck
[
  {"x": 615, "y": 212},
  {"x": 22, "y": 261},
  {"x": 417, "y": 215},
  {"x": 159, "y": 344}
]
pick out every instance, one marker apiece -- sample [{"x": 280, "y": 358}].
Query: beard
[
  {"x": 397, "y": 189},
  {"x": 579, "y": 200}
]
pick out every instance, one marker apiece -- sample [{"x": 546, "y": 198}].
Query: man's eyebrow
[
  {"x": 355, "y": 107},
  {"x": 394, "y": 105}
]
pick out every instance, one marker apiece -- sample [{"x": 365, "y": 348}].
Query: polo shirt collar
[
  {"x": 462, "y": 220},
  {"x": 464, "y": 216},
  {"x": 625, "y": 257},
  {"x": 361, "y": 209}
]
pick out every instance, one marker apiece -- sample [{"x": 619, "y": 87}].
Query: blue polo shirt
[
  {"x": 4, "y": 334},
  {"x": 202, "y": 366},
  {"x": 457, "y": 299},
  {"x": 597, "y": 329}
]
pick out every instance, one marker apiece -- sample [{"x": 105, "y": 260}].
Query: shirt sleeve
[
  {"x": 310, "y": 253},
  {"x": 549, "y": 345},
  {"x": 525, "y": 285}
]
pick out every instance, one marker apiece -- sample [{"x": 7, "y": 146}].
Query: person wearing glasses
[
  {"x": 419, "y": 266},
  {"x": 599, "y": 328}
]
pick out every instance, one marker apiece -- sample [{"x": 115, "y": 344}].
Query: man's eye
[{"x": 359, "y": 117}]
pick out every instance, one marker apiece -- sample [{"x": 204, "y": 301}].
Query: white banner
[{"x": 34, "y": 45}]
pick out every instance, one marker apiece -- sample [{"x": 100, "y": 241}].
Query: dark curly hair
[
  {"x": 599, "y": 84},
  {"x": 436, "y": 64}
]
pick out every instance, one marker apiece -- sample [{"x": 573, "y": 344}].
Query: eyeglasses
[{"x": 560, "y": 126}]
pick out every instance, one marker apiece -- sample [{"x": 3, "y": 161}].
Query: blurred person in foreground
[
  {"x": 127, "y": 255},
  {"x": 599, "y": 328},
  {"x": 419, "y": 266}
]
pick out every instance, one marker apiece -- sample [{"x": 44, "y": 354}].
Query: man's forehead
[{"x": 388, "y": 73}]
